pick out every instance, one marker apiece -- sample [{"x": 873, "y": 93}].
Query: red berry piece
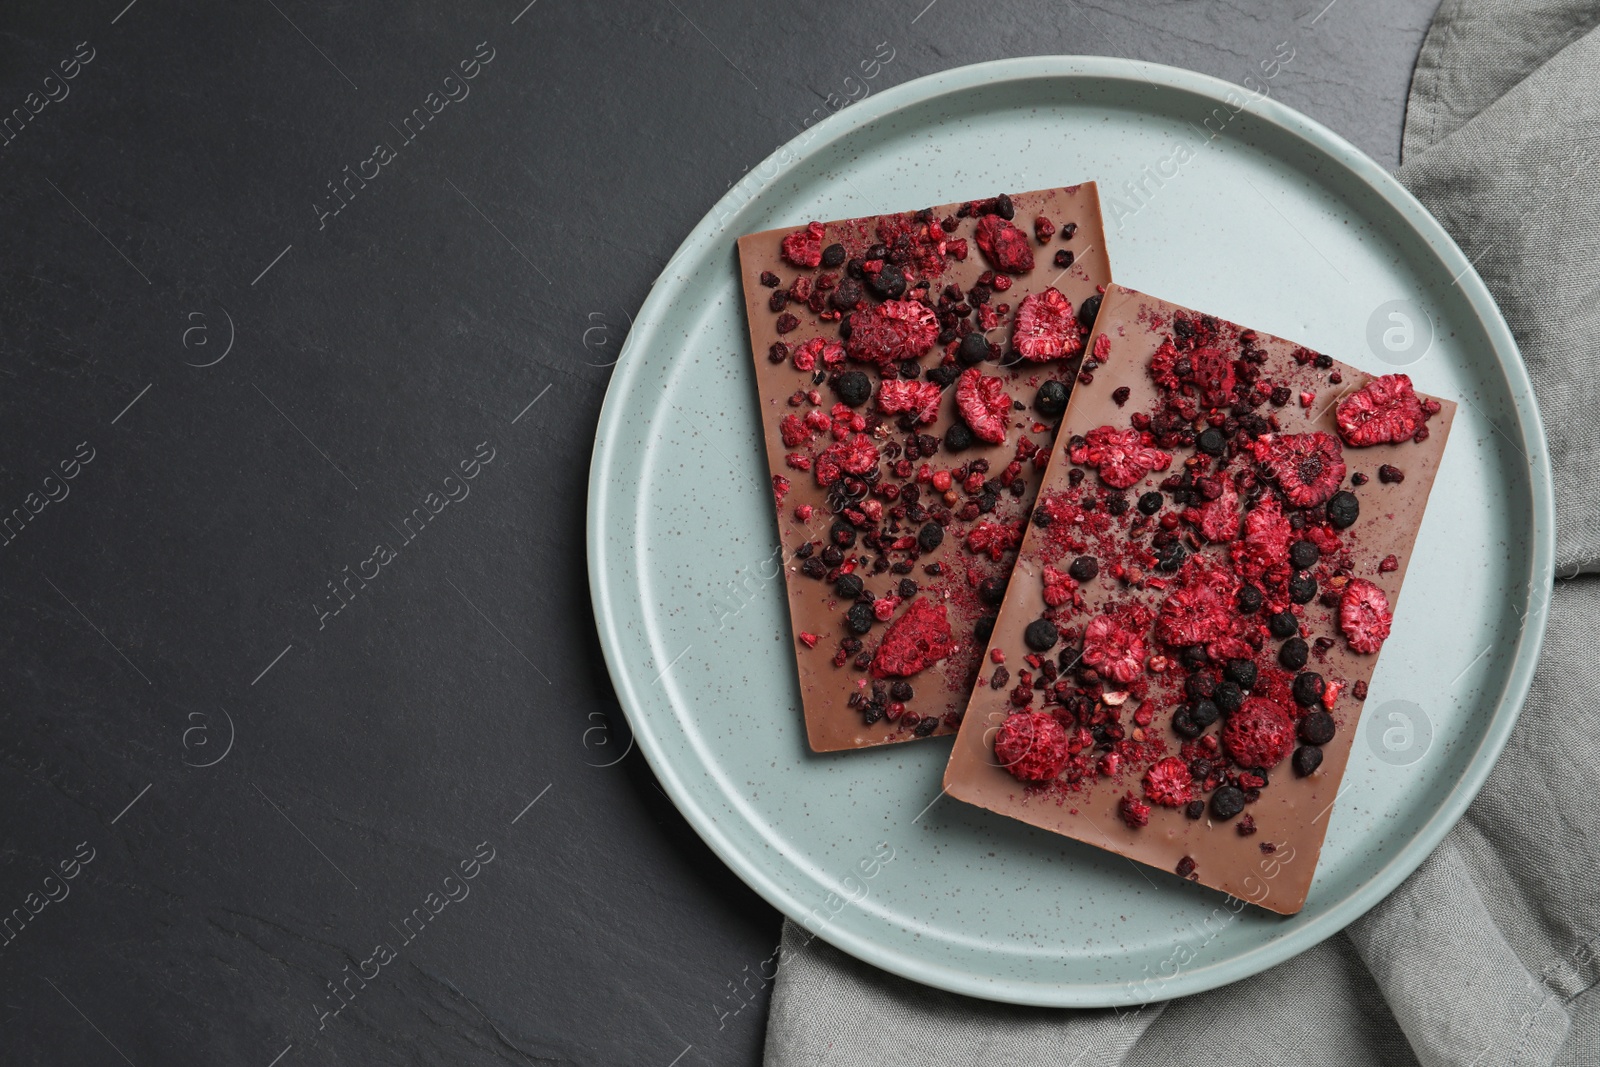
[
  {"x": 1308, "y": 467},
  {"x": 892, "y": 332},
  {"x": 919, "y": 398},
  {"x": 1121, "y": 456},
  {"x": 984, "y": 404},
  {"x": 1043, "y": 229},
  {"x": 1134, "y": 812},
  {"x": 1032, "y": 746},
  {"x": 1384, "y": 411},
  {"x": 818, "y": 349},
  {"x": 915, "y": 641},
  {"x": 1196, "y": 612},
  {"x": 1260, "y": 734},
  {"x": 1003, "y": 245},
  {"x": 1046, "y": 327},
  {"x": 1364, "y": 615},
  {"x": 1115, "y": 650},
  {"x": 803, "y": 248},
  {"x": 1219, "y": 518},
  {"x": 857, "y": 456},
  {"x": 1169, "y": 783},
  {"x": 1213, "y": 375}
]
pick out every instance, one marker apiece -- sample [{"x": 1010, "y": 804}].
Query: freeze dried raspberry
[
  {"x": 1169, "y": 783},
  {"x": 921, "y": 398},
  {"x": 1102, "y": 348},
  {"x": 984, "y": 404},
  {"x": 892, "y": 332},
  {"x": 794, "y": 431},
  {"x": 1162, "y": 366},
  {"x": 1134, "y": 812},
  {"x": 914, "y": 641},
  {"x": 803, "y": 248},
  {"x": 780, "y": 488},
  {"x": 831, "y": 353},
  {"x": 1113, "y": 649},
  {"x": 1260, "y": 734},
  {"x": 1384, "y": 411},
  {"x": 993, "y": 539},
  {"x": 1219, "y": 519},
  {"x": 1266, "y": 541},
  {"x": 1194, "y": 613},
  {"x": 1309, "y": 467},
  {"x": 1058, "y": 587},
  {"x": 1213, "y": 376},
  {"x": 1364, "y": 615},
  {"x": 1121, "y": 456},
  {"x": 856, "y": 456},
  {"x": 860, "y": 454},
  {"x": 1004, "y": 246},
  {"x": 1032, "y": 746},
  {"x": 1046, "y": 327}
]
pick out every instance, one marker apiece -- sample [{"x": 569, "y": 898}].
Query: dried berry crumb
[
  {"x": 1134, "y": 812},
  {"x": 1186, "y": 867},
  {"x": 1247, "y": 826}
]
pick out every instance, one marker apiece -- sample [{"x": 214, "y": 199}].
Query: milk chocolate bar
[
  {"x": 1196, "y": 611},
  {"x": 912, "y": 369}
]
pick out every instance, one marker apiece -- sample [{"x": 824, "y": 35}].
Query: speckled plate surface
[{"x": 1252, "y": 212}]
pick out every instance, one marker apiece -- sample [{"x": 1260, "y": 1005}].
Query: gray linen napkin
[{"x": 1490, "y": 953}]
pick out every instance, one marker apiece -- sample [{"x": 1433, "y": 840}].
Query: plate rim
[{"x": 1422, "y": 224}]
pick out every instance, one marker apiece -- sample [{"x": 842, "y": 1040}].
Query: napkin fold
[{"x": 1489, "y": 954}]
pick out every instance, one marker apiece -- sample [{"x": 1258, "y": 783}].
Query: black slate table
[{"x": 309, "y": 753}]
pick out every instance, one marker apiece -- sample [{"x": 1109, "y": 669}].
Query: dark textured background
[{"x": 491, "y": 264}]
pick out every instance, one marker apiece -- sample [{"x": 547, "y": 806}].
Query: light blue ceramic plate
[{"x": 1275, "y": 222}]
